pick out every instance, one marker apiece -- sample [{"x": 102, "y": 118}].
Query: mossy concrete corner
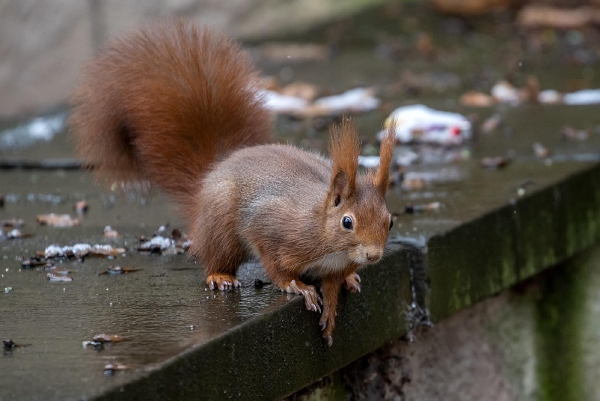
[{"x": 508, "y": 245}]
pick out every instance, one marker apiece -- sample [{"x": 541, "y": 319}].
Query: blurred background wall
[{"x": 44, "y": 42}]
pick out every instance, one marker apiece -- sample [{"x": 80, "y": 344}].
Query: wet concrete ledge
[{"x": 281, "y": 351}]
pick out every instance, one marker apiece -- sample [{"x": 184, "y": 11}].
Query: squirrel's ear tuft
[
  {"x": 344, "y": 149},
  {"x": 388, "y": 142}
]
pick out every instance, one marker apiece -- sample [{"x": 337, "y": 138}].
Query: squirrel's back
[{"x": 163, "y": 103}]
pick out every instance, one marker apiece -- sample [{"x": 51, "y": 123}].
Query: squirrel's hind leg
[
  {"x": 216, "y": 245},
  {"x": 221, "y": 268}
]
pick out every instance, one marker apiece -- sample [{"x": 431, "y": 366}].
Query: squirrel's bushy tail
[{"x": 162, "y": 103}]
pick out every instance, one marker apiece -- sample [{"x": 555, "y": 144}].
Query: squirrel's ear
[
  {"x": 385, "y": 158},
  {"x": 344, "y": 149}
]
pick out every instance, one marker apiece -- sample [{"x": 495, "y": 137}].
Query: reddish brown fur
[
  {"x": 385, "y": 158},
  {"x": 155, "y": 100},
  {"x": 176, "y": 105},
  {"x": 344, "y": 149}
]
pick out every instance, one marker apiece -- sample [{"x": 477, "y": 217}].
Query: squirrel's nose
[{"x": 373, "y": 256}]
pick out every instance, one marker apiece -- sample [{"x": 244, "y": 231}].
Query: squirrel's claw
[
  {"x": 323, "y": 325},
  {"x": 312, "y": 300},
  {"x": 352, "y": 282},
  {"x": 223, "y": 282}
]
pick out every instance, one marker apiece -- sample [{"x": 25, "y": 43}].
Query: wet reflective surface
[{"x": 165, "y": 309}]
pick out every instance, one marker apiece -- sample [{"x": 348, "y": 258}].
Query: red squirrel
[{"x": 179, "y": 107}]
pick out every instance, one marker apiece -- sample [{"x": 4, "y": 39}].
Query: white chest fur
[{"x": 327, "y": 264}]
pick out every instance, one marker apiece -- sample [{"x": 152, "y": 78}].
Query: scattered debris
[
  {"x": 412, "y": 183},
  {"x": 297, "y": 52},
  {"x": 81, "y": 207},
  {"x": 477, "y": 99},
  {"x": 412, "y": 82},
  {"x": 582, "y": 97},
  {"x": 571, "y": 133},
  {"x": 7, "y": 289},
  {"x": 34, "y": 262},
  {"x": 12, "y": 223},
  {"x": 111, "y": 368},
  {"x": 58, "y": 278},
  {"x": 541, "y": 151},
  {"x": 550, "y": 96},
  {"x": 258, "y": 283},
  {"x": 81, "y": 250},
  {"x": 177, "y": 244},
  {"x": 9, "y": 345},
  {"x": 352, "y": 101},
  {"x": 504, "y": 92},
  {"x": 109, "y": 232},
  {"x": 469, "y": 8},
  {"x": 58, "y": 271},
  {"x": 13, "y": 234},
  {"x": 119, "y": 270},
  {"x": 41, "y": 128},
  {"x": 157, "y": 244},
  {"x": 418, "y": 123},
  {"x": 545, "y": 16},
  {"x": 58, "y": 220},
  {"x": 97, "y": 345},
  {"x": 105, "y": 338},
  {"x": 284, "y": 104},
  {"x": 429, "y": 207},
  {"x": 406, "y": 157},
  {"x": 491, "y": 124},
  {"x": 368, "y": 161},
  {"x": 302, "y": 90},
  {"x": 496, "y": 162}
]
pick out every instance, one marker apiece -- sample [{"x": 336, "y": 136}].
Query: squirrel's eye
[
  {"x": 347, "y": 222},
  {"x": 391, "y": 224}
]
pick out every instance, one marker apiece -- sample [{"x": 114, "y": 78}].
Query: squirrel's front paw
[
  {"x": 352, "y": 282},
  {"x": 312, "y": 300},
  {"x": 222, "y": 281}
]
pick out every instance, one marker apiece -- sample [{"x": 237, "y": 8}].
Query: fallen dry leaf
[
  {"x": 58, "y": 278},
  {"x": 301, "y": 90},
  {"x": 491, "y": 124},
  {"x": 81, "y": 207},
  {"x": 111, "y": 368},
  {"x": 12, "y": 223},
  {"x": 496, "y": 162},
  {"x": 541, "y": 151},
  {"x": 8, "y": 344},
  {"x": 106, "y": 338},
  {"x": 543, "y": 16},
  {"x": 33, "y": 262},
  {"x": 428, "y": 207},
  {"x": 81, "y": 250},
  {"x": 477, "y": 99},
  {"x": 571, "y": 133},
  {"x": 297, "y": 52},
  {"x": 109, "y": 232},
  {"x": 58, "y": 220},
  {"x": 118, "y": 270}
]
